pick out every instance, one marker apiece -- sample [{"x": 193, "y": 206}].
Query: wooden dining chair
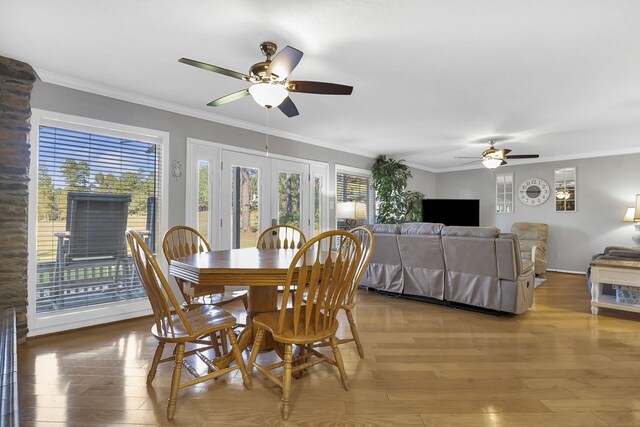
[
  {"x": 174, "y": 325},
  {"x": 328, "y": 276},
  {"x": 281, "y": 236},
  {"x": 367, "y": 244},
  {"x": 182, "y": 240}
]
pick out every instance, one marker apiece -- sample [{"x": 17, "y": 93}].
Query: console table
[{"x": 615, "y": 272}]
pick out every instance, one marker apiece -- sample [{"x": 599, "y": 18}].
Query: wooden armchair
[
  {"x": 180, "y": 241},
  {"x": 175, "y": 326},
  {"x": 328, "y": 276},
  {"x": 281, "y": 236}
]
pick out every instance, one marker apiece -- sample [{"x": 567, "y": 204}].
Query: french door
[
  {"x": 233, "y": 196},
  {"x": 290, "y": 194},
  {"x": 244, "y": 199}
]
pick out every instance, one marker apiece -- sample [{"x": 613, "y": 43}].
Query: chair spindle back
[
  {"x": 281, "y": 236},
  {"x": 327, "y": 276},
  {"x": 162, "y": 299},
  {"x": 367, "y": 244}
]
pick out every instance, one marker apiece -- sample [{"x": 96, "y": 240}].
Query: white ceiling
[{"x": 432, "y": 79}]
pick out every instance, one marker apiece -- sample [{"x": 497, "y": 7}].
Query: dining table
[{"x": 261, "y": 270}]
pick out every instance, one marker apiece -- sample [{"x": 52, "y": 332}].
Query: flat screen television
[{"x": 464, "y": 212}]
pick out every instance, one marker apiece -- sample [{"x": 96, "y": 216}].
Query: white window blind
[{"x": 91, "y": 188}]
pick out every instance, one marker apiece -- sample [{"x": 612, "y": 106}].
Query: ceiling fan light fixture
[
  {"x": 491, "y": 163},
  {"x": 268, "y": 95}
]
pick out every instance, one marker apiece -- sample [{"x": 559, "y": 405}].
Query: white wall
[
  {"x": 606, "y": 186},
  {"x": 180, "y": 127}
]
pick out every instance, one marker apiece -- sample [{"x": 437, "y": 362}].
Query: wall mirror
[
  {"x": 504, "y": 193},
  {"x": 565, "y": 189}
]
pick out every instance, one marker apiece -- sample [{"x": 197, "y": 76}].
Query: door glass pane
[
  {"x": 245, "y": 207},
  {"x": 289, "y": 198},
  {"x": 203, "y": 197},
  {"x": 317, "y": 187}
]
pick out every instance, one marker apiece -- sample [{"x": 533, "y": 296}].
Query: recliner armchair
[{"x": 533, "y": 243}]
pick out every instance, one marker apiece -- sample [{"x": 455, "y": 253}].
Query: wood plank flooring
[{"x": 425, "y": 365}]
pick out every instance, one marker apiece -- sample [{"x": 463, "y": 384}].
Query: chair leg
[
  {"x": 338, "y": 358},
  {"x": 223, "y": 342},
  {"x": 354, "y": 333},
  {"x": 154, "y": 365},
  {"x": 215, "y": 343},
  {"x": 175, "y": 381},
  {"x": 239, "y": 360},
  {"x": 286, "y": 381},
  {"x": 245, "y": 302},
  {"x": 255, "y": 350}
]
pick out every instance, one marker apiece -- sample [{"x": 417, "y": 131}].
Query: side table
[{"x": 615, "y": 272}]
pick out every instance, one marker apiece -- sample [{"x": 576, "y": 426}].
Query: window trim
[
  {"x": 353, "y": 171},
  {"x": 56, "y": 322}
]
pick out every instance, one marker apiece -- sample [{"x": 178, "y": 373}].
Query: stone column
[{"x": 16, "y": 82}]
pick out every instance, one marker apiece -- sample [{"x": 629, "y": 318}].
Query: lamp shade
[
  {"x": 492, "y": 163},
  {"x": 629, "y": 215},
  {"x": 351, "y": 210},
  {"x": 637, "y": 212},
  {"x": 268, "y": 95}
]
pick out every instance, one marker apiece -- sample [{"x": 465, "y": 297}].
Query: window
[
  {"x": 92, "y": 184},
  {"x": 504, "y": 193},
  {"x": 354, "y": 198}
]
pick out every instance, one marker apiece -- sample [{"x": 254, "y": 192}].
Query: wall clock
[{"x": 533, "y": 191}]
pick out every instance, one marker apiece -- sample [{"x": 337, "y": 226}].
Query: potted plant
[{"x": 394, "y": 204}]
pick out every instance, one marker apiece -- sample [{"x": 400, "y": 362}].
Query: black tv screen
[{"x": 464, "y": 212}]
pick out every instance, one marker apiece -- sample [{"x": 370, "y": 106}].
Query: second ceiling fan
[
  {"x": 271, "y": 86},
  {"x": 494, "y": 157}
]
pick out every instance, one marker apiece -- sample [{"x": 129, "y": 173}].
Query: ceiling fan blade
[
  {"x": 284, "y": 62},
  {"x": 288, "y": 107},
  {"x": 475, "y": 157},
  {"x": 319, "y": 88},
  {"x": 215, "y": 69},
  {"x": 229, "y": 98},
  {"x": 468, "y": 163},
  {"x": 504, "y": 162},
  {"x": 522, "y": 156}
]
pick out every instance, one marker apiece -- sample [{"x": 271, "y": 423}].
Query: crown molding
[{"x": 136, "y": 98}]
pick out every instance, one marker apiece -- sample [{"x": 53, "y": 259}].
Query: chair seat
[
  {"x": 269, "y": 321},
  {"x": 204, "y": 319}
]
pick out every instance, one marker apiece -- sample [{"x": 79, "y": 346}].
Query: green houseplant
[{"x": 394, "y": 204}]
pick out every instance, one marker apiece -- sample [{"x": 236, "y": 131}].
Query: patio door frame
[{"x": 224, "y": 156}]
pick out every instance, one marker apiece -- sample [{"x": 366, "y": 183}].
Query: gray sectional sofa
[{"x": 476, "y": 266}]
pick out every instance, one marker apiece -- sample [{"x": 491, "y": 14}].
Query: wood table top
[
  {"x": 250, "y": 266},
  {"x": 234, "y": 260},
  {"x": 616, "y": 263}
]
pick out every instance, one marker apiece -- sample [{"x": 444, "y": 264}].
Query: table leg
[{"x": 262, "y": 299}]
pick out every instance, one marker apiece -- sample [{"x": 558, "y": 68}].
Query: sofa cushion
[
  {"x": 428, "y": 228},
  {"x": 386, "y": 228},
  {"x": 457, "y": 231}
]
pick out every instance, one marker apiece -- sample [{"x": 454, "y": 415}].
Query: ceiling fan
[
  {"x": 271, "y": 86},
  {"x": 493, "y": 157}
]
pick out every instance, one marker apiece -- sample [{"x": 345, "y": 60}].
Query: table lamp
[
  {"x": 351, "y": 212},
  {"x": 633, "y": 215}
]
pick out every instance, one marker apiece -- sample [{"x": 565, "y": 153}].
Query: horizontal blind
[
  {"x": 91, "y": 188},
  {"x": 354, "y": 188}
]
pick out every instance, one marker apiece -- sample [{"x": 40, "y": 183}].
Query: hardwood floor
[{"x": 425, "y": 365}]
